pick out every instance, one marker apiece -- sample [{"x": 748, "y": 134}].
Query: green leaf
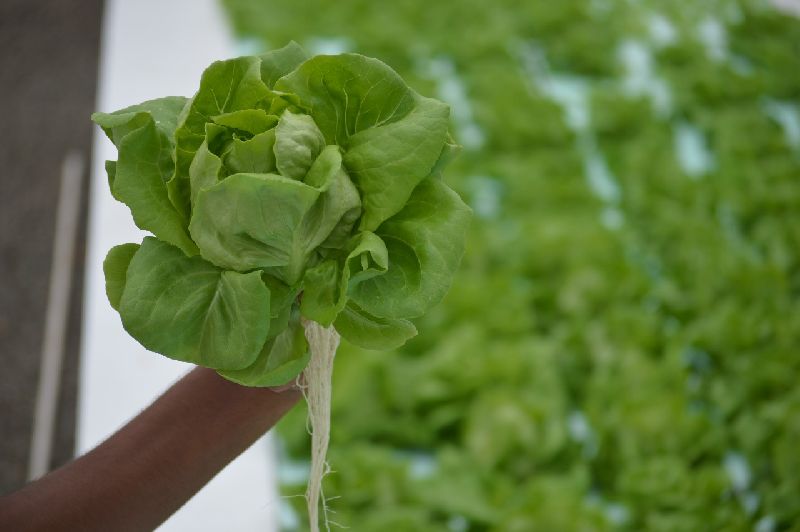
[
  {"x": 281, "y": 299},
  {"x": 331, "y": 219},
  {"x": 281, "y": 360},
  {"x": 343, "y": 230},
  {"x": 278, "y": 222},
  {"x": 277, "y": 63},
  {"x": 225, "y": 86},
  {"x": 252, "y": 156},
  {"x": 387, "y": 162},
  {"x": 298, "y": 142},
  {"x": 164, "y": 111},
  {"x": 391, "y": 136},
  {"x": 111, "y": 171},
  {"x": 143, "y": 135},
  {"x": 348, "y": 93},
  {"x": 253, "y": 121},
  {"x": 449, "y": 152},
  {"x": 189, "y": 310},
  {"x": 370, "y": 332},
  {"x": 115, "y": 268},
  {"x": 324, "y": 292},
  {"x": 325, "y": 167},
  {"x": 326, "y": 284},
  {"x": 139, "y": 183},
  {"x": 425, "y": 242},
  {"x": 261, "y": 231},
  {"x": 206, "y": 168},
  {"x": 368, "y": 258}
]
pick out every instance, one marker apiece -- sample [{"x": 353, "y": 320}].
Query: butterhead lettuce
[{"x": 289, "y": 186}]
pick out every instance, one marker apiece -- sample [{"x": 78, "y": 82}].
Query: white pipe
[{"x": 55, "y": 325}]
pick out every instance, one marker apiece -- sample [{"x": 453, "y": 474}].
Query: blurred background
[
  {"x": 48, "y": 74},
  {"x": 619, "y": 350}
]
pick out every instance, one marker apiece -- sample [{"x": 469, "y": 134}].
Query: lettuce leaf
[
  {"x": 188, "y": 309},
  {"x": 287, "y": 186},
  {"x": 425, "y": 243}
]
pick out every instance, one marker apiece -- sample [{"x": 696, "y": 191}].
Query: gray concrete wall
[{"x": 48, "y": 74}]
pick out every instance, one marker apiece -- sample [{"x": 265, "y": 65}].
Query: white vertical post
[{"x": 55, "y": 325}]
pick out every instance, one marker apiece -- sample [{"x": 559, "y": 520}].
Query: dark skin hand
[{"x": 147, "y": 470}]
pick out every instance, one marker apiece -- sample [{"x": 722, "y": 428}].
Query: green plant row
[{"x": 618, "y": 360}]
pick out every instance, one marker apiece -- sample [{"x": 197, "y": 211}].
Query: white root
[{"x": 317, "y": 377}]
